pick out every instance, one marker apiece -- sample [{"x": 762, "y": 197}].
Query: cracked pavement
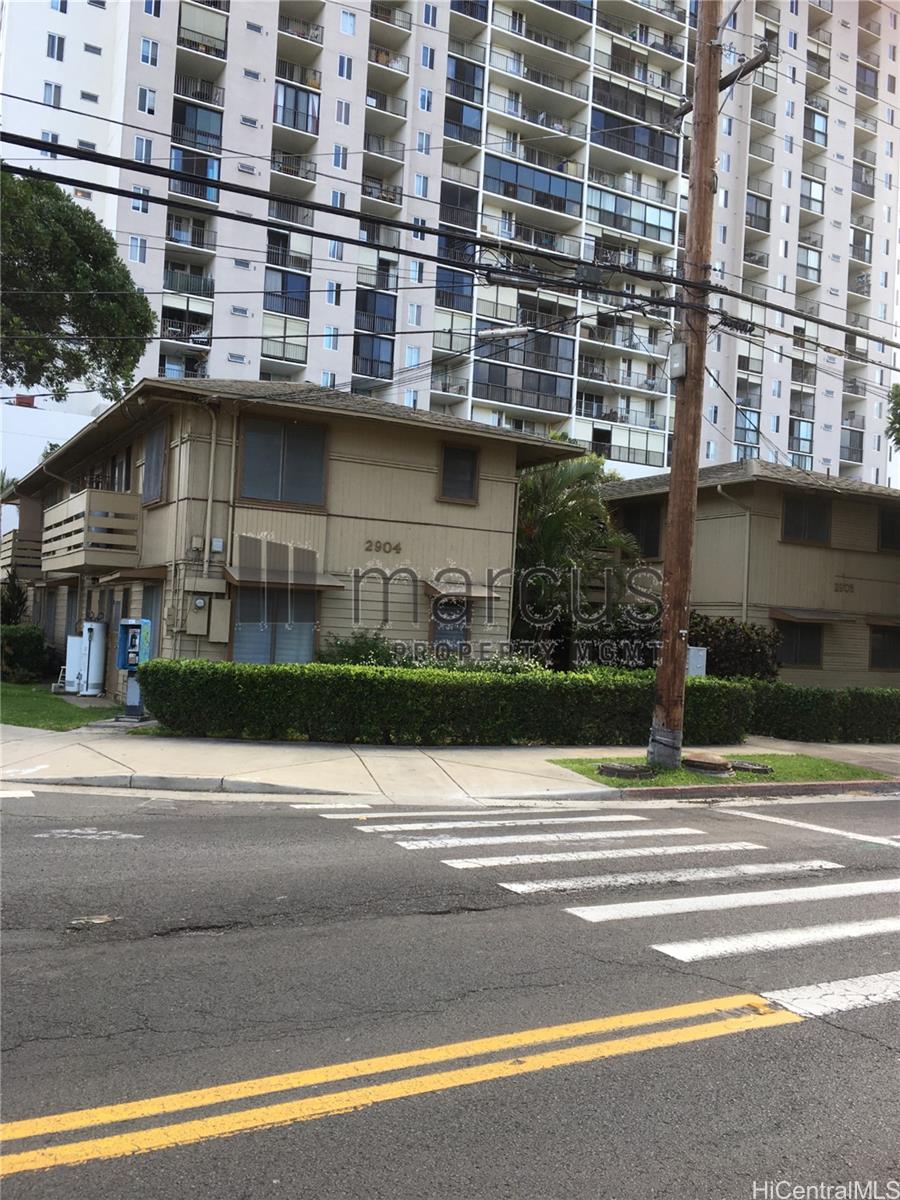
[{"x": 250, "y": 939}]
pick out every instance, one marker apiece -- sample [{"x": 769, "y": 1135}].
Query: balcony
[
  {"x": 378, "y": 189},
  {"x": 449, "y": 385},
  {"x": 462, "y": 133},
  {"x": 201, "y": 139},
  {"x": 173, "y": 367},
  {"x": 851, "y": 451},
  {"x": 531, "y": 73},
  {"x": 284, "y": 350},
  {"x": 294, "y": 165},
  {"x": 756, "y": 258},
  {"x": 531, "y": 235},
  {"x": 281, "y": 256},
  {"x": 309, "y": 77},
  {"x": 291, "y": 214},
  {"x": 514, "y": 23},
  {"x": 512, "y": 107},
  {"x": 374, "y": 277},
  {"x": 654, "y": 192},
  {"x": 372, "y": 368},
  {"x": 762, "y": 151},
  {"x": 194, "y": 333},
  {"x": 384, "y": 147},
  {"x": 475, "y": 10},
  {"x": 192, "y": 88},
  {"x": 368, "y": 322},
  {"x": 382, "y": 56},
  {"x": 388, "y": 14},
  {"x": 855, "y": 387},
  {"x": 804, "y": 410},
  {"x": 623, "y": 144},
  {"x": 762, "y": 116},
  {"x": 760, "y": 186},
  {"x": 379, "y": 235},
  {"x": 202, "y": 43},
  {"x": 190, "y": 235},
  {"x": 305, "y": 30},
  {"x": 497, "y": 393},
  {"x": 298, "y": 119},
  {"x": 20, "y": 552},
  {"x": 93, "y": 530},
  {"x": 394, "y": 106},
  {"x": 637, "y": 69},
  {"x": 288, "y": 303},
  {"x": 188, "y": 283},
  {"x": 818, "y": 64},
  {"x": 755, "y": 221},
  {"x": 852, "y": 421},
  {"x": 859, "y": 285},
  {"x": 861, "y": 251}
]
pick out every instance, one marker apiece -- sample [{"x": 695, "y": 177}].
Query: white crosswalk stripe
[
  {"x": 557, "y": 856},
  {"x": 777, "y": 939},
  {"x": 684, "y": 875},
  {"x": 840, "y": 995},
  {"x": 440, "y": 843},
  {"x": 412, "y": 826}
]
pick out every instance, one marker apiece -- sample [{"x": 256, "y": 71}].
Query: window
[
  {"x": 242, "y": 264},
  {"x": 710, "y": 450},
  {"x": 459, "y": 474},
  {"x": 137, "y": 249},
  {"x": 421, "y": 186},
  {"x": 274, "y": 624},
  {"x": 414, "y": 314},
  {"x": 52, "y": 139},
  {"x": 60, "y": 6},
  {"x": 282, "y": 462},
  {"x": 332, "y": 293},
  {"x": 726, "y": 125},
  {"x": 345, "y": 66},
  {"x": 450, "y": 621},
  {"x": 789, "y": 143},
  {"x": 327, "y": 379},
  {"x": 143, "y": 149},
  {"x": 410, "y": 398},
  {"x": 149, "y": 52},
  {"x": 792, "y": 39},
  {"x": 429, "y": 15},
  {"x": 90, "y": 97},
  {"x": 90, "y": 49},
  {"x": 413, "y": 356},
  {"x": 806, "y": 519},
  {"x": 139, "y": 204},
  {"x": 423, "y": 142},
  {"x": 342, "y": 112},
  {"x": 147, "y": 101},
  {"x": 154, "y": 465},
  {"x": 339, "y": 156},
  {"x": 251, "y": 121},
  {"x": 644, "y": 523},
  {"x": 330, "y": 340},
  {"x": 723, "y": 197},
  {"x": 240, "y": 310},
  {"x": 889, "y": 529},
  {"x": 55, "y": 46},
  {"x": 418, "y": 236},
  {"x": 725, "y": 160},
  {"x": 884, "y": 647},
  {"x": 336, "y": 250},
  {"x": 789, "y": 108},
  {"x": 428, "y": 57},
  {"x": 801, "y": 644},
  {"x": 83, "y": 145},
  {"x": 426, "y": 99},
  {"x": 52, "y": 94},
  {"x": 416, "y": 271},
  {"x": 253, "y": 27},
  {"x": 152, "y": 7},
  {"x": 338, "y": 199},
  {"x": 249, "y": 74},
  {"x": 348, "y": 22}
]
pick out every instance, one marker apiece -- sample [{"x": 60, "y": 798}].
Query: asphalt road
[{"x": 248, "y": 940}]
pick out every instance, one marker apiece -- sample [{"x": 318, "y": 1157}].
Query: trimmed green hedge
[
  {"x": 806, "y": 714},
  {"x": 23, "y": 655},
  {"x": 422, "y": 706}
]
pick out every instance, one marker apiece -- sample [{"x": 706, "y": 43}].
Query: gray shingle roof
[{"x": 754, "y": 470}]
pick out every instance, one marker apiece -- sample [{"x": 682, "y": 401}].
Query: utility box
[{"x": 696, "y": 661}]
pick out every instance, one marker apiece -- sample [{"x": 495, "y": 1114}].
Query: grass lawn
[
  {"x": 33, "y": 704},
  {"x": 788, "y": 768}
]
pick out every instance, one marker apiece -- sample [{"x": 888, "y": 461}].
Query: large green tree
[
  {"x": 565, "y": 541},
  {"x": 69, "y": 308},
  {"x": 894, "y": 415}
]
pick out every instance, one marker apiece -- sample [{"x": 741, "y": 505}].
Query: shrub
[
  {"x": 429, "y": 706},
  {"x": 362, "y": 646},
  {"x": 870, "y": 715},
  {"x": 805, "y": 714},
  {"x": 736, "y": 649},
  {"x": 23, "y": 655}
]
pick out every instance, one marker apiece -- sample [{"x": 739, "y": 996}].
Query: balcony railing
[
  {"x": 633, "y": 149},
  {"x": 373, "y": 277},
  {"x": 179, "y": 368},
  {"x": 184, "y": 281},
  {"x": 453, "y": 341},
  {"x": 819, "y": 64},
  {"x": 803, "y": 410},
  {"x": 531, "y": 73},
  {"x": 532, "y": 235},
  {"x": 377, "y": 189},
  {"x": 21, "y": 553},
  {"x": 754, "y": 221},
  {"x": 287, "y": 303},
  {"x": 635, "y": 68},
  {"x": 187, "y": 234},
  {"x": 295, "y": 165},
  {"x": 292, "y": 214},
  {"x": 465, "y": 91},
  {"x": 373, "y": 368},
  {"x": 374, "y": 323},
  {"x": 865, "y": 156},
  {"x": 764, "y": 116},
  {"x": 467, "y": 176},
  {"x": 202, "y": 43},
  {"x": 176, "y": 330},
  {"x": 852, "y": 421},
  {"x": 391, "y": 15},
  {"x": 202, "y": 139},
  {"x": 756, "y": 258},
  {"x": 380, "y": 101},
  {"x": 634, "y": 187},
  {"x": 285, "y": 350},
  {"x": 515, "y": 24},
  {"x": 466, "y": 50},
  {"x": 855, "y": 387},
  {"x": 306, "y": 30},
  {"x": 462, "y": 133},
  {"x": 374, "y": 143},
  {"x": 309, "y": 77},
  {"x": 861, "y": 252},
  {"x": 381, "y": 56},
  {"x": 193, "y": 88},
  {"x": 296, "y": 118},
  {"x": 500, "y": 394},
  {"x": 851, "y": 452},
  {"x": 761, "y": 150},
  {"x": 92, "y": 529},
  {"x": 513, "y": 107},
  {"x": 449, "y": 386},
  {"x": 760, "y": 186},
  {"x": 201, "y": 190},
  {"x": 281, "y": 256},
  {"x": 379, "y": 235}
]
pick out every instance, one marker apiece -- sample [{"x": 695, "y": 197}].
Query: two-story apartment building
[
  {"x": 817, "y": 557},
  {"x": 251, "y": 521}
]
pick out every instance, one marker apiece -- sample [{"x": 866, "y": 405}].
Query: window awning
[
  {"x": 126, "y": 574},
  {"x": 876, "y": 619},
  {"x": 256, "y": 576},
  {"x": 818, "y": 615},
  {"x": 472, "y": 591},
  {"x": 55, "y": 581}
]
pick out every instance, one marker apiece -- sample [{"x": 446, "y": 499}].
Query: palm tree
[{"x": 565, "y": 541}]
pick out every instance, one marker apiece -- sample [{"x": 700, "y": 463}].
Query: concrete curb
[
  {"x": 169, "y": 783},
  {"x": 728, "y": 791}
]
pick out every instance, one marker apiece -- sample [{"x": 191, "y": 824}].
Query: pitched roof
[{"x": 754, "y": 470}]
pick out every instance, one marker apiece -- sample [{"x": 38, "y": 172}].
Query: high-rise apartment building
[{"x": 529, "y": 138}]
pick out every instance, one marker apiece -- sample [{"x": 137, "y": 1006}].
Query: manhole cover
[
  {"x": 625, "y": 770},
  {"x": 754, "y": 768}
]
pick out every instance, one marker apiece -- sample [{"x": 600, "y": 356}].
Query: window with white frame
[
  {"x": 423, "y": 142},
  {"x": 428, "y": 58},
  {"x": 426, "y": 99},
  {"x": 332, "y": 292},
  {"x": 330, "y": 340},
  {"x": 53, "y": 94},
  {"x": 339, "y": 156},
  {"x": 342, "y": 112},
  {"x": 56, "y": 46},
  {"x": 137, "y": 249},
  {"x": 143, "y": 149},
  {"x": 149, "y": 52},
  {"x": 147, "y": 101},
  {"x": 414, "y": 314},
  {"x": 345, "y": 66},
  {"x": 139, "y": 204},
  {"x": 348, "y": 22},
  {"x": 421, "y": 186}
]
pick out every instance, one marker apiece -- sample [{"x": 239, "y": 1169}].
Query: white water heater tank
[{"x": 93, "y": 658}]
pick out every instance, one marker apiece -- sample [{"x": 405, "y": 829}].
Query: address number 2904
[{"x": 383, "y": 547}]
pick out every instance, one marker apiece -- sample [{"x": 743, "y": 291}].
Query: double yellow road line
[{"x": 683, "y": 1023}]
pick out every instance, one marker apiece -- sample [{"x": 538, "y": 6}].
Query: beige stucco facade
[
  {"x": 185, "y": 559},
  {"x": 745, "y": 566}
]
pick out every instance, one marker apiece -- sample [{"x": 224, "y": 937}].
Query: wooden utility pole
[{"x": 668, "y": 713}]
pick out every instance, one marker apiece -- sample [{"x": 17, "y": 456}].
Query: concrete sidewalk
[{"x": 399, "y": 774}]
